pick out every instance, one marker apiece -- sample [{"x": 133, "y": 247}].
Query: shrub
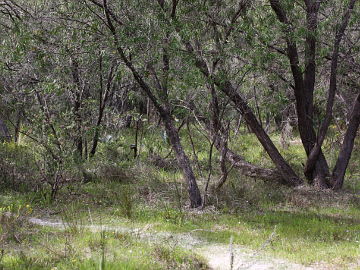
[{"x": 18, "y": 168}]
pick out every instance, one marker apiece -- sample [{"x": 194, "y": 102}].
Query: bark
[
  {"x": 312, "y": 9},
  {"x": 193, "y": 147},
  {"x": 313, "y": 156},
  {"x": 103, "y": 98},
  {"x": 284, "y": 168},
  {"x": 165, "y": 115},
  {"x": 78, "y": 137},
  {"x": 4, "y": 132},
  {"x": 238, "y": 161},
  {"x": 347, "y": 146},
  {"x": 304, "y": 86},
  {"x": 249, "y": 169},
  {"x": 223, "y": 168},
  {"x": 183, "y": 160},
  {"x": 77, "y": 107},
  {"x": 226, "y": 87},
  {"x": 220, "y": 141},
  {"x": 17, "y": 126}
]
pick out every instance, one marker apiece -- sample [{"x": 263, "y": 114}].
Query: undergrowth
[{"x": 302, "y": 225}]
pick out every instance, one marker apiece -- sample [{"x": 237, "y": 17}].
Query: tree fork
[
  {"x": 314, "y": 154},
  {"x": 304, "y": 87}
]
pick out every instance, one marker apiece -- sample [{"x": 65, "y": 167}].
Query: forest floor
[
  {"x": 307, "y": 229},
  {"x": 134, "y": 215},
  {"x": 217, "y": 256}
]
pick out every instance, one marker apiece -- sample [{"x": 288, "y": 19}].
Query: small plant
[
  {"x": 172, "y": 215},
  {"x": 17, "y": 167},
  {"x": 12, "y": 220},
  {"x": 102, "y": 248},
  {"x": 73, "y": 223},
  {"x": 127, "y": 201}
]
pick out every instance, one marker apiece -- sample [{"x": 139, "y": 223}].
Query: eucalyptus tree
[
  {"x": 217, "y": 36},
  {"x": 209, "y": 33},
  {"x": 70, "y": 59},
  {"x": 302, "y": 26},
  {"x": 143, "y": 43}
]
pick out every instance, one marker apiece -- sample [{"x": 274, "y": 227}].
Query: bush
[
  {"x": 12, "y": 221},
  {"x": 18, "y": 168}
]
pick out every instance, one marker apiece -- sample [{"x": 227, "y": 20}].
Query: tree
[
  {"x": 215, "y": 73},
  {"x": 316, "y": 169},
  {"x": 160, "y": 102}
]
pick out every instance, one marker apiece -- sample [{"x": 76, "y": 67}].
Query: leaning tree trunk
[
  {"x": 183, "y": 160},
  {"x": 251, "y": 170},
  {"x": 347, "y": 146},
  {"x": 165, "y": 115},
  {"x": 241, "y": 105},
  {"x": 237, "y": 161},
  {"x": 284, "y": 168}
]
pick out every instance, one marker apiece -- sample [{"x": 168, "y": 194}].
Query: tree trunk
[
  {"x": 217, "y": 130},
  {"x": 105, "y": 93},
  {"x": 347, "y": 146},
  {"x": 284, "y": 168},
  {"x": 304, "y": 86},
  {"x": 182, "y": 159},
  {"x": 78, "y": 94},
  {"x": 226, "y": 87},
  {"x": 96, "y": 138},
  {"x": 314, "y": 154},
  {"x": 78, "y": 136},
  {"x": 237, "y": 161},
  {"x": 4, "y": 132},
  {"x": 17, "y": 127},
  {"x": 251, "y": 170}
]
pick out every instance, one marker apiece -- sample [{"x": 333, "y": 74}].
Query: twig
[{"x": 231, "y": 253}]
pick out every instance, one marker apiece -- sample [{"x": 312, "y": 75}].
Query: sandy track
[{"x": 218, "y": 256}]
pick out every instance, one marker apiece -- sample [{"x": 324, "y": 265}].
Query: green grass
[
  {"x": 68, "y": 249},
  {"x": 304, "y": 225},
  {"x": 301, "y": 225}
]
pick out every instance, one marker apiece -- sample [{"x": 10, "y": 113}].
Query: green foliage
[
  {"x": 58, "y": 59},
  {"x": 126, "y": 201},
  {"x": 13, "y": 220},
  {"x": 18, "y": 168},
  {"x": 174, "y": 216}
]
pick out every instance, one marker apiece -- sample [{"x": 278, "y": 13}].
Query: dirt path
[{"x": 218, "y": 256}]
